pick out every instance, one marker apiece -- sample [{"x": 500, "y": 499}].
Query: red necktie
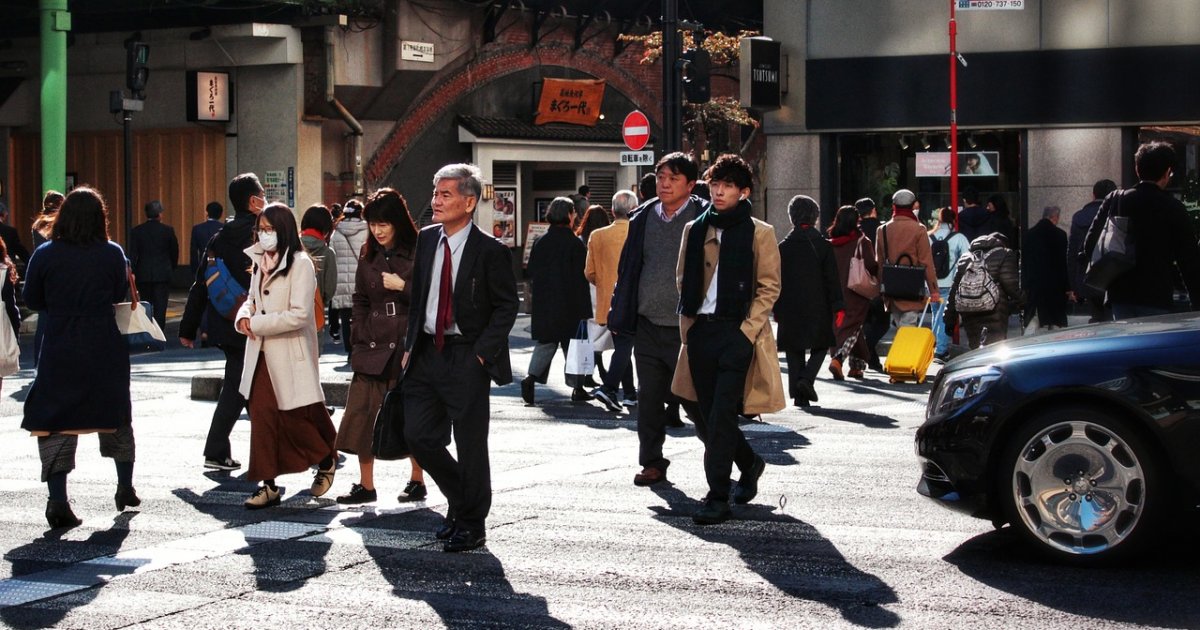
[{"x": 445, "y": 298}]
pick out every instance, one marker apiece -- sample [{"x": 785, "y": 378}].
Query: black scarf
[{"x": 735, "y": 272}]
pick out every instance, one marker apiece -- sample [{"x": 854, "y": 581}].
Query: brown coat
[
  {"x": 763, "y": 392},
  {"x": 378, "y": 331},
  {"x": 856, "y": 305},
  {"x": 906, "y": 236},
  {"x": 600, "y": 269}
]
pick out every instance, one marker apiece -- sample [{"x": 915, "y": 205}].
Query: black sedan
[{"x": 1084, "y": 439}]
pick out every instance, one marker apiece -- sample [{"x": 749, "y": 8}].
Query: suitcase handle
[{"x": 928, "y": 303}]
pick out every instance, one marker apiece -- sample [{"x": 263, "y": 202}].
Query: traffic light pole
[
  {"x": 126, "y": 120},
  {"x": 672, "y": 102},
  {"x": 953, "y": 113}
]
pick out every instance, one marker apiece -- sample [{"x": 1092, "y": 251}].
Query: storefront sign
[
  {"x": 761, "y": 78},
  {"x": 416, "y": 51},
  {"x": 637, "y": 158},
  {"x": 208, "y": 97},
  {"x": 968, "y": 5},
  {"x": 970, "y": 164},
  {"x": 575, "y": 102}
]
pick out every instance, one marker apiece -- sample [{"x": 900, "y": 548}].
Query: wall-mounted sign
[
  {"x": 209, "y": 96},
  {"x": 576, "y": 102},
  {"x": 967, "y": 5},
  {"x": 504, "y": 216},
  {"x": 416, "y": 51},
  {"x": 970, "y": 164},
  {"x": 760, "y": 68}
]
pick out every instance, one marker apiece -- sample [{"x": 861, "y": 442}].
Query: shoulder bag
[
  {"x": 136, "y": 322},
  {"x": 900, "y": 281},
  {"x": 860, "y": 279},
  {"x": 1114, "y": 253}
]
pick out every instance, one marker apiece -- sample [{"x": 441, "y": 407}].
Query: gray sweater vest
[{"x": 658, "y": 297}]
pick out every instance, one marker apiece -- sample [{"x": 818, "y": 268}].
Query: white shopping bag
[
  {"x": 599, "y": 336},
  {"x": 581, "y": 360},
  {"x": 10, "y": 352}
]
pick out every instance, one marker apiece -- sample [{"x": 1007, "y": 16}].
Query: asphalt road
[{"x": 837, "y": 537}]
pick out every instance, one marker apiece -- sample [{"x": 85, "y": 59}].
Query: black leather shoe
[
  {"x": 747, "y": 485},
  {"x": 712, "y": 512},
  {"x": 580, "y": 395},
  {"x": 527, "y": 390},
  {"x": 126, "y": 497},
  {"x": 807, "y": 390},
  {"x": 464, "y": 540},
  {"x": 414, "y": 491},
  {"x": 446, "y": 530},
  {"x": 59, "y": 514}
]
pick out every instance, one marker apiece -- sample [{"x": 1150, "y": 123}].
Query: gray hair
[
  {"x": 1051, "y": 212},
  {"x": 559, "y": 212},
  {"x": 470, "y": 179},
  {"x": 623, "y": 203},
  {"x": 803, "y": 209}
]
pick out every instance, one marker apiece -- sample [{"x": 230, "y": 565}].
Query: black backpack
[{"x": 941, "y": 255}]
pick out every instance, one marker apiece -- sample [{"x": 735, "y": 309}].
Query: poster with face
[{"x": 504, "y": 216}]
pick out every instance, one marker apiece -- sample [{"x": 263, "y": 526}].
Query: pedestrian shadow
[
  {"x": 871, "y": 420},
  {"x": 774, "y": 443},
  {"x": 1164, "y": 584},
  {"x": 281, "y": 561},
  {"x": 464, "y": 589},
  {"x": 590, "y": 414},
  {"x": 71, "y": 571},
  {"x": 809, "y": 568}
]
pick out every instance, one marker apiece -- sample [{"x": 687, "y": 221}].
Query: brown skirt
[
  {"x": 362, "y": 405},
  {"x": 284, "y": 442}
]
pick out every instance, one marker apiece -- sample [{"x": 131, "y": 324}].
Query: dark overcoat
[
  {"x": 1044, "y": 274},
  {"x": 809, "y": 291},
  {"x": 560, "y": 290},
  {"x": 82, "y": 380},
  {"x": 380, "y": 314},
  {"x": 153, "y": 251}
]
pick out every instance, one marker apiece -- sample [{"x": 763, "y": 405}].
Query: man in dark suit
[
  {"x": 464, "y": 304},
  {"x": 153, "y": 254},
  {"x": 246, "y": 197},
  {"x": 203, "y": 232},
  {"x": 12, "y": 240}
]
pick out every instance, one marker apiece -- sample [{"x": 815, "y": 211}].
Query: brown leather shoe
[
  {"x": 854, "y": 373},
  {"x": 649, "y": 476},
  {"x": 835, "y": 368}
]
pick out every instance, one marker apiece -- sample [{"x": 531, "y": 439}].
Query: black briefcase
[
  {"x": 901, "y": 281},
  {"x": 388, "y": 442}
]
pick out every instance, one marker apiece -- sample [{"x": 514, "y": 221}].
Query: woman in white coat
[{"x": 290, "y": 429}]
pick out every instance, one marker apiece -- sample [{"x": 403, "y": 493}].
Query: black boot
[
  {"x": 59, "y": 514},
  {"x": 126, "y": 497}
]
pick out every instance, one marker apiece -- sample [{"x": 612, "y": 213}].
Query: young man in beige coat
[{"x": 728, "y": 274}]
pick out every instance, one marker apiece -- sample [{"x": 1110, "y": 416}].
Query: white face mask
[{"x": 268, "y": 241}]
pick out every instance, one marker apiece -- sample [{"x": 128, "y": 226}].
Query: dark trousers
[
  {"x": 447, "y": 392},
  {"x": 620, "y": 366},
  {"x": 801, "y": 370},
  {"x": 339, "y": 320},
  {"x": 229, "y": 405},
  {"x": 719, "y": 356},
  {"x": 876, "y": 326},
  {"x": 156, "y": 293},
  {"x": 656, "y": 350}
]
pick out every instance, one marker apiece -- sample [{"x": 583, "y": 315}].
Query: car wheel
[{"x": 1080, "y": 485}]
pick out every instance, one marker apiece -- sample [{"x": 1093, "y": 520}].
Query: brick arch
[{"x": 493, "y": 65}]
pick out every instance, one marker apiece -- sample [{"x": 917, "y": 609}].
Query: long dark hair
[
  {"x": 388, "y": 206},
  {"x": 844, "y": 222},
  {"x": 281, "y": 218},
  {"x": 595, "y": 218},
  {"x": 82, "y": 219},
  {"x": 12, "y": 269}
]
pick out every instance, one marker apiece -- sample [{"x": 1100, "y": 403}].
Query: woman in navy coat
[{"x": 82, "y": 382}]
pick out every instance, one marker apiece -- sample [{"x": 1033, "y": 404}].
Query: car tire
[{"x": 1081, "y": 485}]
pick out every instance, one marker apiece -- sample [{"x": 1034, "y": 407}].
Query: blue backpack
[{"x": 224, "y": 292}]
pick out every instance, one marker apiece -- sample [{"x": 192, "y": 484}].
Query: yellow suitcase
[{"x": 911, "y": 352}]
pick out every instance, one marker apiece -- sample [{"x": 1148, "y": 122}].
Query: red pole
[{"x": 953, "y": 114}]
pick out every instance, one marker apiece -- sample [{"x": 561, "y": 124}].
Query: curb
[{"x": 209, "y": 387}]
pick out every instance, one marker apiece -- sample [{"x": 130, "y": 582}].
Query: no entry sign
[{"x": 636, "y": 130}]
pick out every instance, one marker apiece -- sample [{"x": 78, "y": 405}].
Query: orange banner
[{"x": 576, "y": 102}]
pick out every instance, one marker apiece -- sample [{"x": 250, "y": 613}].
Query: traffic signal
[
  {"x": 137, "y": 71},
  {"x": 696, "y": 75}
]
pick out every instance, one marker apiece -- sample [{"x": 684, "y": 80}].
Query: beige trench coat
[
  {"x": 280, "y": 310},
  {"x": 764, "y": 381}
]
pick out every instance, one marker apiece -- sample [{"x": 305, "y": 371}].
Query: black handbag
[
  {"x": 899, "y": 281},
  {"x": 387, "y": 442}
]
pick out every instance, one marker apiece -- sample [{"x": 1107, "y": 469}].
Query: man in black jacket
[
  {"x": 1044, "y": 273},
  {"x": 645, "y": 302},
  {"x": 1162, "y": 238},
  {"x": 1081, "y": 221},
  {"x": 246, "y": 197},
  {"x": 464, "y": 304},
  {"x": 153, "y": 254}
]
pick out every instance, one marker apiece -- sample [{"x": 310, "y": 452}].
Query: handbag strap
[{"x": 133, "y": 292}]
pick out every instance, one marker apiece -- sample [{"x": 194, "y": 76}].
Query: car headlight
[{"x": 960, "y": 388}]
